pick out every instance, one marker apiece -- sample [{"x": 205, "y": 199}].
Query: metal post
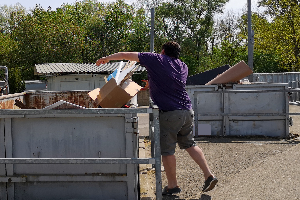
[
  {"x": 152, "y": 31},
  {"x": 157, "y": 153},
  {"x": 196, "y": 113},
  {"x": 250, "y": 41},
  {"x": 151, "y": 103}
]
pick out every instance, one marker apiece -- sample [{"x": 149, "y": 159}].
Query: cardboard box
[
  {"x": 116, "y": 93},
  {"x": 233, "y": 74}
]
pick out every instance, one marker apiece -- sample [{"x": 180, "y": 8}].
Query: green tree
[
  {"x": 116, "y": 27},
  {"x": 139, "y": 36},
  {"x": 7, "y": 50},
  {"x": 189, "y": 22},
  {"x": 80, "y": 33},
  {"x": 228, "y": 53},
  {"x": 266, "y": 58},
  {"x": 15, "y": 80},
  {"x": 278, "y": 32},
  {"x": 227, "y": 45},
  {"x": 9, "y": 18},
  {"x": 48, "y": 36}
]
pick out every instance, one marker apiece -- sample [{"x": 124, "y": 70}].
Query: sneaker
[
  {"x": 209, "y": 184},
  {"x": 167, "y": 191}
]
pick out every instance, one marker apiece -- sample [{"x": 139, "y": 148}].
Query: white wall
[{"x": 75, "y": 82}]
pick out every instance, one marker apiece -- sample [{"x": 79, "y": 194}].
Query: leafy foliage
[
  {"x": 280, "y": 35},
  {"x": 15, "y": 80},
  {"x": 86, "y": 30},
  {"x": 189, "y": 22}
]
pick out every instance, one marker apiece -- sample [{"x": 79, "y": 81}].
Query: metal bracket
[{"x": 12, "y": 179}]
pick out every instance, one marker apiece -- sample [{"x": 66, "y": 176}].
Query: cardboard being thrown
[
  {"x": 233, "y": 74},
  {"x": 119, "y": 89}
]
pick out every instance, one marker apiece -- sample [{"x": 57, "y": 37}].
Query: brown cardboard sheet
[
  {"x": 131, "y": 87},
  {"x": 233, "y": 74},
  {"x": 94, "y": 93}
]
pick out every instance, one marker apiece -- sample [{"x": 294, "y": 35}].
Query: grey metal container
[
  {"x": 241, "y": 110},
  {"x": 291, "y": 78},
  {"x": 59, "y": 134}
]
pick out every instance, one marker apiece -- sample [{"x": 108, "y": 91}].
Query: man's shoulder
[
  {"x": 146, "y": 57},
  {"x": 149, "y": 54}
]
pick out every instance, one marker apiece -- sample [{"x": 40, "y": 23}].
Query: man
[{"x": 167, "y": 76}]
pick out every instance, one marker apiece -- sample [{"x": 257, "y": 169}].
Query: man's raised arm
[{"x": 132, "y": 56}]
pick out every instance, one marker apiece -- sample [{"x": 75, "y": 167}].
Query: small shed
[{"x": 76, "y": 76}]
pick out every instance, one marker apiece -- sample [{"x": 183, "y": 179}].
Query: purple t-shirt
[{"x": 167, "y": 78}]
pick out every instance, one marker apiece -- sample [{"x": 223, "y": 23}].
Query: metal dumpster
[
  {"x": 241, "y": 110},
  {"x": 70, "y": 154}
]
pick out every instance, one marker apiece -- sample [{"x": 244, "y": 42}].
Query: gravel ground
[{"x": 247, "y": 168}]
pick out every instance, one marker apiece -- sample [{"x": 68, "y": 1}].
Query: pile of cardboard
[{"x": 119, "y": 88}]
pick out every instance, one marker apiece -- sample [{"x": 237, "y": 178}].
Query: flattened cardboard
[
  {"x": 107, "y": 88},
  {"x": 233, "y": 74},
  {"x": 94, "y": 93},
  {"x": 112, "y": 95},
  {"x": 131, "y": 87}
]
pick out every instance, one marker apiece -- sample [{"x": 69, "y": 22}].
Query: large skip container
[
  {"x": 70, "y": 154},
  {"x": 241, "y": 110}
]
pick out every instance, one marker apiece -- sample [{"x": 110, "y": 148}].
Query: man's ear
[{"x": 162, "y": 52}]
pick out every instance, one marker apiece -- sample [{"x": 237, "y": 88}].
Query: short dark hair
[{"x": 172, "y": 49}]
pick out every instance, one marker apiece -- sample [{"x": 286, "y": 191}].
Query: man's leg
[
  {"x": 198, "y": 156},
  {"x": 170, "y": 124},
  {"x": 169, "y": 163}
]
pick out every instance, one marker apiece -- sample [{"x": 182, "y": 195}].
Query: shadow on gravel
[
  {"x": 174, "y": 197},
  {"x": 246, "y": 139},
  {"x": 205, "y": 197}
]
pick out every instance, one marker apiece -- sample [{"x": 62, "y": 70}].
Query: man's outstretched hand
[{"x": 102, "y": 61}]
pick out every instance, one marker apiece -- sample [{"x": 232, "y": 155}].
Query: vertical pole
[
  {"x": 287, "y": 110},
  {"x": 250, "y": 41},
  {"x": 9, "y": 154},
  {"x": 196, "y": 113},
  {"x": 152, "y": 31},
  {"x": 151, "y": 103},
  {"x": 157, "y": 154}
]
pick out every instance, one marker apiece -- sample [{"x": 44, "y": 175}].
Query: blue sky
[{"x": 232, "y": 5}]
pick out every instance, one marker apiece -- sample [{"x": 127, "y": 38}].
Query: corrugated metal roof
[{"x": 58, "y": 68}]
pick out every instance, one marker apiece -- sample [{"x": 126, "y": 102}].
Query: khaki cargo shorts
[{"x": 176, "y": 127}]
